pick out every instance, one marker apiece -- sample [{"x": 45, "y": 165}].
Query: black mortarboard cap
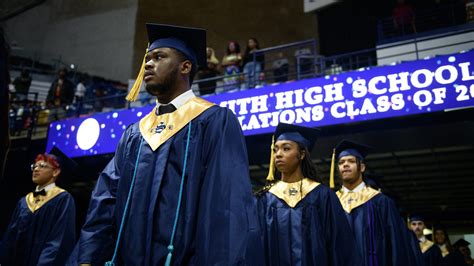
[
  {"x": 416, "y": 217},
  {"x": 304, "y": 135},
  {"x": 461, "y": 243},
  {"x": 189, "y": 41},
  {"x": 347, "y": 147},
  {"x": 65, "y": 163}
]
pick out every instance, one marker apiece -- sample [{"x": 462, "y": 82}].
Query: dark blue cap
[
  {"x": 416, "y": 217},
  {"x": 65, "y": 163},
  {"x": 347, "y": 147},
  {"x": 303, "y": 135},
  {"x": 461, "y": 243},
  {"x": 189, "y": 41}
]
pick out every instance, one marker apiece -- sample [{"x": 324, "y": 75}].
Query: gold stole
[
  {"x": 444, "y": 251},
  {"x": 293, "y": 193},
  {"x": 425, "y": 245},
  {"x": 34, "y": 203},
  {"x": 352, "y": 200},
  {"x": 157, "y": 129}
]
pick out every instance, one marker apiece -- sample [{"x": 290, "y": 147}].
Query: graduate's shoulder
[
  {"x": 261, "y": 192},
  {"x": 381, "y": 199},
  {"x": 132, "y": 130},
  {"x": 59, "y": 193},
  {"x": 216, "y": 111},
  {"x": 63, "y": 192}
]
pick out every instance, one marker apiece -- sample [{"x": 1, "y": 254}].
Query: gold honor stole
[
  {"x": 352, "y": 200},
  {"x": 425, "y": 245},
  {"x": 34, "y": 203},
  {"x": 444, "y": 251},
  {"x": 293, "y": 193},
  {"x": 157, "y": 129}
]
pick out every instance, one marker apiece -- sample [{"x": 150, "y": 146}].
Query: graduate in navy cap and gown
[
  {"x": 177, "y": 191},
  {"x": 431, "y": 252},
  {"x": 382, "y": 236},
  {"x": 451, "y": 255},
  {"x": 302, "y": 221},
  {"x": 42, "y": 228}
]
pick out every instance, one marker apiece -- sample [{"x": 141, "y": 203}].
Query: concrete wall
[
  {"x": 272, "y": 22},
  {"x": 108, "y": 38},
  {"x": 97, "y": 37}
]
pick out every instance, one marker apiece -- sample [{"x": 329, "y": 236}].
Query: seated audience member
[
  {"x": 209, "y": 71},
  {"x": 231, "y": 65},
  {"x": 280, "y": 68},
  {"x": 252, "y": 68}
]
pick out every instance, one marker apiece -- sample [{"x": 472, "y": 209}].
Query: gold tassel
[
  {"x": 271, "y": 168},
  {"x": 331, "y": 174},
  {"x": 133, "y": 94}
]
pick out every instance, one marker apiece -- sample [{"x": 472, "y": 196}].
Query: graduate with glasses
[{"x": 42, "y": 227}]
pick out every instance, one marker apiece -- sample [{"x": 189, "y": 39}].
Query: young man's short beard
[{"x": 168, "y": 83}]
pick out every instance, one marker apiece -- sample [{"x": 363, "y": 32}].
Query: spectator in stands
[
  {"x": 304, "y": 62},
  {"x": 80, "y": 90},
  {"x": 403, "y": 18},
  {"x": 61, "y": 92},
  {"x": 22, "y": 85},
  {"x": 209, "y": 71},
  {"x": 280, "y": 68},
  {"x": 252, "y": 68},
  {"x": 60, "y": 95},
  {"x": 451, "y": 256},
  {"x": 231, "y": 64},
  {"x": 79, "y": 94}
]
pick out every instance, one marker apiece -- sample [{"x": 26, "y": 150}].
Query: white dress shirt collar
[
  {"x": 46, "y": 188},
  {"x": 180, "y": 100},
  {"x": 356, "y": 189}
]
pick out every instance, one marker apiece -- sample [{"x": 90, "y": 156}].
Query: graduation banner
[{"x": 437, "y": 84}]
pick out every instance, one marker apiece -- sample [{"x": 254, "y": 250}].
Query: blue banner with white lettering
[{"x": 423, "y": 86}]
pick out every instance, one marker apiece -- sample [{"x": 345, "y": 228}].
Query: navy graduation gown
[
  {"x": 314, "y": 232},
  {"x": 454, "y": 258},
  {"x": 42, "y": 237},
  {"x": 383, "y": 238},
  {"x": 432, "y": 256},
  {"x": 217, "y": 223}
]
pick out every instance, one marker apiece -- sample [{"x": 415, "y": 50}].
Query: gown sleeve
[
  {"x": 402, "y": 240},
  {"x": 98, "y": 234},
  {"x": 227, "y": 226},
  {"x": 339, "y": 238}
]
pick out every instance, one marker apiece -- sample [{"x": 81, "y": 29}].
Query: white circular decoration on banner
[{"x": 88, "y": 134}]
